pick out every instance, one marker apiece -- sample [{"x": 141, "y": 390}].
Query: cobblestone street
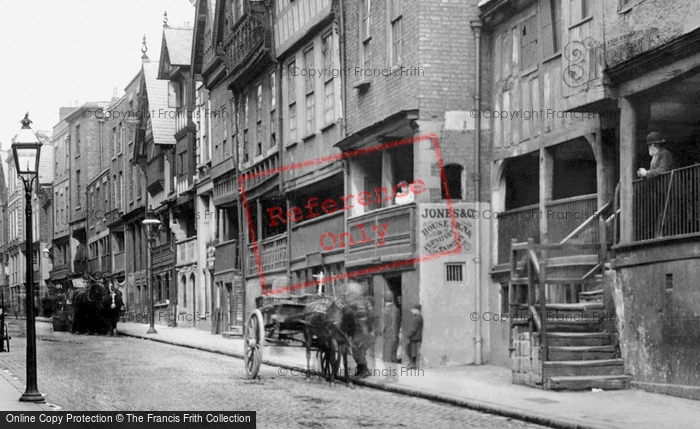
[{"x": 85, "y": 373}]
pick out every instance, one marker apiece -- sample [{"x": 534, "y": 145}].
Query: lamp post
[
  {"x": 26, "y": 148},
  {"x": 152, "y": 226}
]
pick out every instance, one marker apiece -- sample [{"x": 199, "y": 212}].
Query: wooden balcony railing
[
  {"x": 667, "y": 205},
  {"x": 301, "y": 233},
  {"x": 242, "y": 40},
  {"x": 187, "y": 251},
  {"x": 273, "y": 255},
  {"x": 399, "y": 241},
  {"x": 162, "y": 255},
  {"x": 183, "y": 184}
]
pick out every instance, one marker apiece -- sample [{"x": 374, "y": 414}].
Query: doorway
[{"x": 394, "y": 285}]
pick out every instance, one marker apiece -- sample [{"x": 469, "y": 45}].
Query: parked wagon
[{"x": 297, "y": 321}]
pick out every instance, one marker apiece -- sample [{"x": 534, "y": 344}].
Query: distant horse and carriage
[{"x": 97, "y": 308}]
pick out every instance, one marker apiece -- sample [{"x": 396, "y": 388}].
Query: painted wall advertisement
[{"x": 437, "y": 233}]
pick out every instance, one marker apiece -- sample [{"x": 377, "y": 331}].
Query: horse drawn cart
[{"x": 313, "y": 321}]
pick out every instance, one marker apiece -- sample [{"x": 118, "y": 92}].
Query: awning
[{"x": 78, "y": 283}]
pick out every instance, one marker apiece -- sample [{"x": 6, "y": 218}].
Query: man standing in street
[
  {"x": 414, "y": 336},
  {"x": 392, "y": 322}
]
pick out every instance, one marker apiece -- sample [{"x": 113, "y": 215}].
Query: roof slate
[
  {"x": 179, "y": 45},
  {"x": 162, "y": 116}
]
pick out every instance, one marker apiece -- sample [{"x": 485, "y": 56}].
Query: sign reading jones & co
[{"x": 437, "y": 232}]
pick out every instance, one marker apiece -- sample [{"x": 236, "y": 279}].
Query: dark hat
[
  {"x": 655, "y": 137},
  {"x": 417, "y": 307}
]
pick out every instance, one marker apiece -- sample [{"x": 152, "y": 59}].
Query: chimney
[{"x": 115, "y": 95}]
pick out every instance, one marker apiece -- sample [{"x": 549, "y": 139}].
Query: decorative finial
[
  {"x": 26, "y": 121},
  {"x": 165, "y": 19},
  {"x": 144, "y": 48}
]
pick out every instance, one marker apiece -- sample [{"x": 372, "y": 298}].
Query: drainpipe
[
  {"x": 343, "y": 79},
  {"x": 476, "y": 27}
]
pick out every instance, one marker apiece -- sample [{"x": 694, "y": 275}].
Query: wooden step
[
  {"x": 589, "y": 310},
  {"x": 578, "y": 353},
  {"x": 580, "y": 306},
  {"x": 563, "y": 324},
  {"x": 595, "y": 295},
  {"x": 605, "y": 382},
  {"x": 582, "y": 368},
  {"x": 579, "y": 339}
]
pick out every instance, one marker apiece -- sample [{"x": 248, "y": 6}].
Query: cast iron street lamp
[
  {"x": 152, "y": 226},
  {"x": 26, "y": 148}
]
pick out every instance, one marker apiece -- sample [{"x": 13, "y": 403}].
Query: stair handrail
[{"x": 587, "y": 222}]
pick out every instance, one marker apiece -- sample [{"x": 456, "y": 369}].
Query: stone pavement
[
  {"x": 484, "y": 388},
  {"x": 11, "y": 388}
]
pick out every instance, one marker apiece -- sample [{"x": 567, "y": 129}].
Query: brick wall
[
  {"x": 83, "y": 159},
  {"x": 439, "y": 42},
  {"x": 385, "y": 95}
]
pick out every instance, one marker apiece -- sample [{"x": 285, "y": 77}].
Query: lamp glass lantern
[{"x": 26, "y": 149}]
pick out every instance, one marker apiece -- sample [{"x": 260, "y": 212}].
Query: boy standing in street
[{"x": 414, "y": 336}]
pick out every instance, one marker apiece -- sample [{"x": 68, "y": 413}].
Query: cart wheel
[{"x": 253, "y": 341}]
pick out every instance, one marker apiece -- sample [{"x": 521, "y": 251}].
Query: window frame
[
  {"x": 77, "y": 140},
  {"x": 528, "y": 56},
  {"x": 258, "y": 117},
  {"x": 461, "y": 271},
  {"x": 395, "y": 21},
  {"x": 292, "y": 113},
  {"x": 365, "y": 35},
  {"x": 328, "y": 53},
  {"x": 273, "y": 107},
  {"x": 309, "y": 54}
]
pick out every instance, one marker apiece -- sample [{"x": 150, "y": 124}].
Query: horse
[
  {"x": 86, "y": 309},
  {"x": 110, "y": 309},
  {"x": 329, "y": 323}
]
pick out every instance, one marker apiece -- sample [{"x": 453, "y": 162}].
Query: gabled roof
[
  {"x": 204, "y": 14},
  {"x": 162, "y": 116},
  {"x": 176, "y": 48}
]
